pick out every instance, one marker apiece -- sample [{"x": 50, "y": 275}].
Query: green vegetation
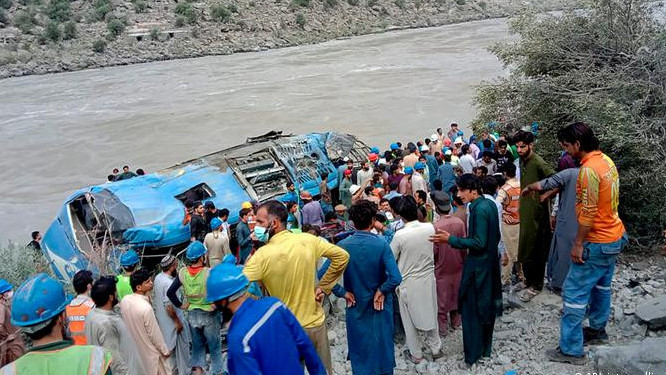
[
  {"x": 140, "y": 6},
  {"x": 329, "y": 4},
  {"x": 483, "y": 5},
  {"x": 300, "y": 20},
  {"x": 186, "y": 10},
  {"x": 155, "y": 34},
  {"x": 372, "y": 3},
  {"x": 180, "y": 21},
  {"x": 99, "y": 45},
  {"x": 24, "y": 21},
  {"x": 59, "y": 10},
  {"x": 604, "y": 66},
  {"x": 52, "y": 31},
  {"x": 19, "y": 263},
  {"x": 353, "y": 2},
  {"x": 232, "y": 8},
  {"x": 3, "y": 17},
  {"x": 115, "y": 27},
  {"x": 400, "y": 4},
  {"x": 301, "y": 3},
  {"x": 102, "y": 8},
  {"x": 69, "y": 30},
  {"x": 5, "y": 4},
  {"x": 220, "y": 13}
]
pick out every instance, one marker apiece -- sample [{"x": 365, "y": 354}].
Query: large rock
[
  {"x": 646, "y": 357},
  {"x": 653, "y": 312}
]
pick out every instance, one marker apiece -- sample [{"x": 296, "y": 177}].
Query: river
[{"x": 64, "y": 131}]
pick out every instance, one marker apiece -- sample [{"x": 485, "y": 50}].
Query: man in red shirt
[{"x": 600, "y": 238}]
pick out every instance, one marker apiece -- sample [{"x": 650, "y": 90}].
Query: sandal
[
  {"x": 520, "y": 286},
  {"x": 528, "y": 295},
  {"x": 408, "y": 356}
]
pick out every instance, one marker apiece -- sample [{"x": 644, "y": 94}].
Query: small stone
[
  {"x": 422, "y": 367},
  {"x": 653, "y": 312},
  {"x": 332, "y": 337},
  {"x": 629, "y": 312},
  {"x": 503, "y": 360}
]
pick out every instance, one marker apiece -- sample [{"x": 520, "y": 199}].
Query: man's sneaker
[
  {"x": 594, "y": 337},
  {"x": 556, "y": 355}
]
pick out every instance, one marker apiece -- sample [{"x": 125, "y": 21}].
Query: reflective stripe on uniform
[
  {"x": 97, "y": 362},
  {"x": 603, "y": 287},
  {"x": 9, "y": 369},
  {"x": 574, "y": 306},
  {"x": 257, "y": 325}
]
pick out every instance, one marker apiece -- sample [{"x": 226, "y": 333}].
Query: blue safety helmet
[
  {"x": 195, "y": 250},
  {"x": 409, "y": 170},
  {"x": 394, "y": 146},
  {"x": 129, "y": 258},
  {"x": 418, "y": 165},
  {"x": 374, "y": 150},
  {"x": 215, "y": 223},
  {"x": 37, "y": 300},
  {"x": 225, "y": 280},
  {"x": 5, "y": 286}
]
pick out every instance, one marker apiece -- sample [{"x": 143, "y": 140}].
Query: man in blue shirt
[
  {"x": 446, "y": 174},
  {"x": 264, "y": 336}
]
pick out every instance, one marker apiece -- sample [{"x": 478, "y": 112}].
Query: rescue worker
[
  {"x": 202, "y": 317},
  {"x": 129, "y": 261},
  {"x": 264, "y": 336},
  {"x": 11, "y": 342},
  {"x": 38, "y": 309},
  {"x": 80, "y": 307}
]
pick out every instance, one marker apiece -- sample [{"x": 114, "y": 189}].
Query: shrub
[
  {"x": 232, "y": 8},
  {"x": 52, "y": 31},
  {"x": 300, "y": 20},
  {"x": 3, "y": 17},
  {"x": 301, "y": 3},
  {"x": 99, "y": 45},
  {"x": 329, "y": 4},
  {"x": 69, "y": 30},
  {"x": 115, "y": 27},
  {"x": 483, "y": 5},
  {"x": 140, "y": 6},
  {"x": 101, "y": 11},
  {"x": 400, "y": 4},
  {"x": 219, "y": 13},
  {"x": 155, "y": 33},
  {"x": 180, "y": 21},
  {"x": 59, "y": 10},
  {"x": 5, "y": 4},
  {"x": 19, "y": 263},
  {"x": 186, "y": 10},
  {"x": 372, "y": 3},
  {"x": 353, "y": 2},
  {"x": 24, "y": 21}
]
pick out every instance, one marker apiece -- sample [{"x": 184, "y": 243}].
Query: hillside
[{"x": 45, "y": 36}]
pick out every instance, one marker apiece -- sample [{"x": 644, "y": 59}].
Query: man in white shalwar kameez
[
  {"x": 140, "y": 320},
  {"x": 417, "y": 295}
]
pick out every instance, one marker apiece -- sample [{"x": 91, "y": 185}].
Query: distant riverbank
[{"x": 92, "y": 34}]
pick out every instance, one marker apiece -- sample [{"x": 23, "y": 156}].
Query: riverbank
[{"x": 49, "y": 37}]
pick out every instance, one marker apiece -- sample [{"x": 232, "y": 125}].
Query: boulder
[
  {"x": 653, "y": 312},
  {"x": 645, "y": 357}
]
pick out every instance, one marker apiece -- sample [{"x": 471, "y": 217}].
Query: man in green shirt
[
  {"x": 129, "y": 261},
  {"x": 535, "y": 232},
  {"x": 39, "y": 310}
]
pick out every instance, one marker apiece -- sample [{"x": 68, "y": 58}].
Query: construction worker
[
  {"x": 38, "y": 309},
  {"x": 78, "y": 309},
  {"x": 11, "y": 342},
  {"x": 264, "y": 336},
  {"x": 129, "y": 261},
  {"x": 203, "y": 319}
]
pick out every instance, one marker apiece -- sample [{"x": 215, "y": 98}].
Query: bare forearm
[{"x": 581, "y": 235}]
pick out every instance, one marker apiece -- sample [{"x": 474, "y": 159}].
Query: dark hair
[
  {"x": 523, "y": 136},
  {"x": 102, "y": 289},
  {"x": 368, "y": 190},
  {"x": 483, "y": 169},
  {"x": 393, "y": 185},
  {"x": 330, "y": 215},
  {"x": 46, "y": 330},
  {"x": 509, "y": 169},
  {"x": 277, "y": 209},
  {"x": 488, "y": 154},
  {"x": 34, "y": 234},
  {"x": 81, "y": 280},
  {"x": 309, "y": 227},
  {"x": 140, "y": 172},
  {"x": 489, "y": 185},
  {"x": 111, "y": 178},
  {"x": 501, "y": 143},
  {"x": 454, "y": 125},
  {"x": 125, "y": 166},
  {"x": 290, "y": 205},
  {"x": 324, "y": 176},
  {"x": 427, "y": 141},
  {"x": 437, "y": 185},
  {"x": 383, "y": 200},
  {"x": 361, "y": 214},
  {"x": 447, "y": 158},
  {"x": 223, "y": 212},
  {"x": 469, "y": 181},
  {"x": 499, "y": 179},
  {"x": 394, "y": 168},
  {"x": 289, "y": 184},
  {"x": 579, "y": 132},
  {"x": 130, "y": 268},
  {"x": 393, "y": 202},
  {"x": 422, "y": 195},
  {"x": 407, "y": 208},
  {"x": 453, "y": 193},
  {"x": 244, "y": 211},
  {"x": 189, "y": 204},
  {"x": 465, "y": 149},
  {"x": 139, "y": 277},
  {"x": 487, "y": 143},
  {"x": 197, "y": 204},
  {"x": 115, "y": 170}
]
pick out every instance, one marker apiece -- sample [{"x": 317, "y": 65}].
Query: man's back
[
  {"x": 413, "y": 251},
  {"x": 447, "y": 176},
  {"x": 312, "y": 213},
  {"x": 448, "y": 259},
  {"x": 366, "y": 252},
  {"x": 61, "y": 358},
  {"x": 467, "y": 163}
]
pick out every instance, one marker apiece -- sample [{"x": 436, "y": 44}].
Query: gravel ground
[{"x": 523, "y": 334}]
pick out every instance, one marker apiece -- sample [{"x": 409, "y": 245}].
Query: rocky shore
[
  {"x": 48, "y": 36},
  {"x": 522, "y": 334}
]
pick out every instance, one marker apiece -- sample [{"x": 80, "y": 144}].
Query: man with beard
[
  {"x": 38, "y": 309},
  {"x": 171, "y": 319},
  {"x": 535, "y": 232},
  {"x": 198, "y": 225},
  {"x": 264, "y": 336},
  {"x": 104, "y": 327}
]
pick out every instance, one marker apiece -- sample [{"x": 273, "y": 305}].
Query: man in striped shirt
[{"x": 600, "y": 238}]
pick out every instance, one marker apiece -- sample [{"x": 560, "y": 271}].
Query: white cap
[
  {"x": 458, "y": 141},
  {"x": 354, "y": 189},
  {"x": 425, "y": 148},
  {"x": 345, "y": 159},
  {"x": 448, "y": 152},
  {"x": 434, "y": 137}
]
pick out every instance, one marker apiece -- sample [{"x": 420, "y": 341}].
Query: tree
[
  {"x": 99, "y": 45},
  {"x": 52, "y": 31},
  {"x": 69, "y": 30},
  {"x": 606, "y": 67},
  {"x": 115, "y": 27},
  {"x": 59, "y": 10}
]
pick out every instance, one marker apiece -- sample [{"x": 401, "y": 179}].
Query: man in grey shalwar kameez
[
  {"x": 566, "y": 226},
  {"x": 171, "y": 319}
]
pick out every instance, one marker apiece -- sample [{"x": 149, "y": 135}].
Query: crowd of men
[{"x": 421, "y": 238}]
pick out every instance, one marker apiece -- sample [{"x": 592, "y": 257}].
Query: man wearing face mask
[
  {"x": 264, "y": 336},
  {"x": 38, "y": 308},
  {"x": 286, "y": 266},
  {"x": 11, "y": 342},
  {"x": 204, "y": 321},
  {"x": 104, "y": 327}
]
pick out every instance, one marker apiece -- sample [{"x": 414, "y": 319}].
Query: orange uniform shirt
[{"x": 597, "y": 198}]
